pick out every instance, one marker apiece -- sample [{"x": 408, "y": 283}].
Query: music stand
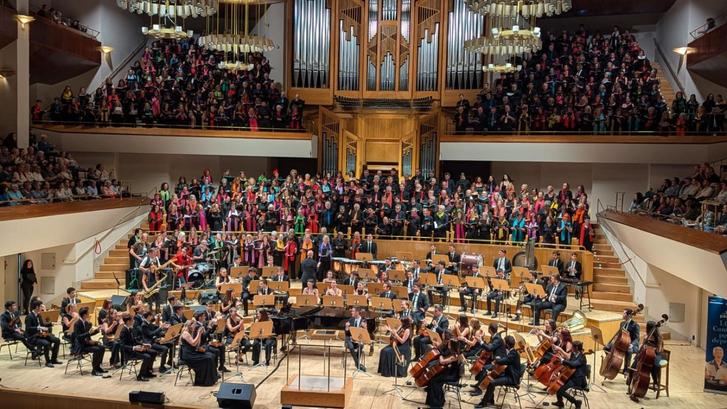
[
  {"x": 260, "y": 300},
  {"x": 356, "y": 300},
  {"x": 171, "y": 334},
  {"x": 235, "y": 287},
  {"x": 502, "y": 285},
  {"x": 253, "y": 286},
  {"x": 238, "y": 271},
  {"x": 346, "y": 289},
  {"x": 597, "y": 338},
  {"x": 333, "y": 301},
  {"x": 235, "y": 345},
  {"x": 361, "y": 337},
  {"x": 50, "y": 316},
  {"x": 283, "y": 286},
  {"x": 269, "y": 271},
  {"x": 382, "y": 304},
  {"x": 428, "y": 279},
  {"x": 304, "y": 300},
  {"x": 488, "y": 271},
  {"x": 550, "y": 271},
  {"x": 366, "y": 274},
  {"x": 397, "y": 275},
  {"x": 401, "y": 292},
  {"x": 375, "y": 288},
  {"x": 436, "y": 258},
  {"x": 450, "y": 281},
  {"x": 364, "y": 256},
  {"x": 393, "y": 323}
]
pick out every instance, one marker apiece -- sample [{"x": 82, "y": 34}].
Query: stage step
[
  {"x": 109, "y": 275},
  {"x": 615, "y": 288},
  {"x": 608, "y": 271},
  {"x": 100, "y": 283},
  {"x": 611, "y": 305},
  {"x": 611, "y": 280},
  {"x": 612, "y": 295},
  {"x": 116, "y": 259},
  {"x": 119, "y": 253},
  {"x": 607, "y": 264},
  {"x": 115, "y": 267}
]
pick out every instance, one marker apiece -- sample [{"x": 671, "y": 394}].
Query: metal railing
[
  {"x": 667, "y": 64},
  {"x": 154, "y": 124},
  {"x": 708, "y": 26}
]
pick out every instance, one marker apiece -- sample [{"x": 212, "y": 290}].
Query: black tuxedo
[
  {"x": 167, "y": 312},
  {"x": 557, "y": 264},
  {"x": 279, "y": 277},
  {"x": 388, "y": 294},
  {"x": 467, "y": 291},
  {"x": 503, "y": 264},
  {"x": 422, "y": 302},
  {"x": 82, "y": 343},
  {"x": 578, "y": 379},
  {"x": 575, "y": 276},
  {"x": 556, "y": 298},
  {"x": 351, "y": 281},
  {"x": 454, "y": 257},
  {"x": 511, "y": 376},
  {"x": 368, "y": 247},
  {"x": 128, "y": 341},
  {"x": 48, "y": 345},
  {"x": 353, "y": 347},
  {"x": 497, "y": 347},
  {"x": 66, "y": 300},
  {"x": 421, "y": 343},
  {"x": 308, "y": 270}
]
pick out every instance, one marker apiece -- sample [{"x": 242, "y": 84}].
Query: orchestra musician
[
  {"x": 195, "y": 356},
  {"x": 246, "y": 296},
  {"x": 334, "y": 290},
  {"x": 168, "y": 309},
  {"x": 354, "y": 348},
  {"x": 496, "y": 347},
  {"x": 227, "y": 301},
  {"x": 439, "y": 271},
  {"x": 133, "y": 349},
  {"x": 177, "y": 315},
  {"x": 577, "y": 361},
  {"x": 550, "y": 332},
  {"x": 361, "y": 289},
  {"x": 233, "y": 326},
  {"x": 655, "y": 340},
  {"x": 151, "y": 333},
  {"x": 70, "y": 298},
  {"x": 473, "y": 343},
  {"x": 557, "y": 299},
  {"x": 419, "y": 305},
  {"x": 181, "y": 263},
  {"x": 268, "y": 343},
  {"x": 223, "y": 277},
  {"x": 352, "y": 280},
  {"x": 432, "y": 252},
  {"x": 219, "y": 350},
  {"x": 391, "y": 362},
  {"x": 279, "y": 275},
  {"x": 139, "y": 249},
  {"x": 82, "y": 342},
  {"x": 450, "y": 358},
  {"x": 263, "y": 288},
  {"x": 556, "y": 262},
  {"x": 368, "y": 246},
  {"x": 387, "y": 293},
  {"x": 405, "y": 310},
  {"x": 502, "y": 264},
  {"x": 467, "y": 291},
  {"x": 495, "y": 295},
  {"x": 109, "y": 323},
  {"x": 409, "y": 282},
  {"x": 511, "y": 376},
  {"x": 311, "y": 289},
  {"x": 68, "y": 320},
  {"x": 11, "y": 326},
  {"x": 329, "y": 277},
  {"x": 40, "y": 335},
  {"x": 572, "y": 273},
  {"x": 415, "y": 270},
  {"x": 632, "y": 327},
  {"x": 439, "y": 324},
  {"x": 149, "y": 267}
]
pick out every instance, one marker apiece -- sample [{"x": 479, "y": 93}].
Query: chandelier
[
  {"x": 506, "y": 68},
  {"x": 231, "y": 35},
  {"x": 506, "y": 42},
  {"x": 171, "y": 8},
  {"x": 526, "y": 8}
]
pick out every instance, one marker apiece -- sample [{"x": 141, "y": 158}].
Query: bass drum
[{"x": 469, "y": 261}]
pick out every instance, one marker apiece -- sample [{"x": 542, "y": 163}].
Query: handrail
[
  {"x": 699, "y": 32},
  {"x": 113, "y": 125},
  {"x": 125, "y": 62},
  {"x": 674, "y": 76},
  {"x": 605, "y": 226}
]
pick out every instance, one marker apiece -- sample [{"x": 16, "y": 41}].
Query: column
[{"x": 23, "y": 78}]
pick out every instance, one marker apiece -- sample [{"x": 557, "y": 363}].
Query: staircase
[
  {"x": 115, "y": 263},
  {"x": 664, "y": 85},
  {"x": 611, "y": 290}
]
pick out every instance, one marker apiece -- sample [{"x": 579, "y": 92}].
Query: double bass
[
  {"x": 645, "y": 361},
  {"x": 620, "y": 343}
]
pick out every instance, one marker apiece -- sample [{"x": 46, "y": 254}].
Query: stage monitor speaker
[
  {"x": 208, "y": 297},
  {"x": 118, "y": 302},
  {"x": 133, "y": 279},
  {"x": 236, "y": 396},
  {"x": 156, "y": 398}
]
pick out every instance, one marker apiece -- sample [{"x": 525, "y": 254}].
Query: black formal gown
[
  {"x": 388, "y": 366},
  {"x": 202, "y": 363}
]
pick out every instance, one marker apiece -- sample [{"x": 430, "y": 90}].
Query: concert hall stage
[{"x": 33, "y": 387}]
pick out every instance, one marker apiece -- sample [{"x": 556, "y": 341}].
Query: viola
[
  {"x": 483, "y": 359},
  {"x": 494, "y": 373},
  {"x": 620, "y": 344}
]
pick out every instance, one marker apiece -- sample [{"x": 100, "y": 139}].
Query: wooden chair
[{"x": 662, "y": 384}]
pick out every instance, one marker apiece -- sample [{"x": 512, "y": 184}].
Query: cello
[
  {"x": 620, "y": 343},
  {"x": 645, "y": 360},
  {"x": 483, "y": 359},
  {"x": 418, "y": 368},
  {"x": 494, "y": 373},
  {"x": 545, "y": 372}
]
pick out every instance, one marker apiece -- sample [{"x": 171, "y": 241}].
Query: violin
[
  {"x": 620, "y": 344},
  {"x": 645, "y": 360}
]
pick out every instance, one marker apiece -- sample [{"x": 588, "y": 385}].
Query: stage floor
[{"x": 369, "y": 389}]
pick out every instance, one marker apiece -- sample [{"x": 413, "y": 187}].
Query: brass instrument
[
  {"x": 154, "y": 289},
  {"x": 576, "y": 322}
]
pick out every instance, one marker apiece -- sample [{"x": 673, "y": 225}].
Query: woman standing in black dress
[
  {"x": 202, "y": 363},
  {"x": 389, "y": 365},
  {"x": 28, "y": 280}
]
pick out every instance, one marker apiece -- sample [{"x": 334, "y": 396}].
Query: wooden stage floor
[{"x": 369, "y": 390}]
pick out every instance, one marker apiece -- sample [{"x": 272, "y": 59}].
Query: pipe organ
[{"x": 383, "y": 49}]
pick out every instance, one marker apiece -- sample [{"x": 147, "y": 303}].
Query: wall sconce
[
  {"x": 24, "y": 19},
  {"x": 105, "y": 49},
  {"x": 6, "y": 72},
  {"x": 684, "y": 50}
]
